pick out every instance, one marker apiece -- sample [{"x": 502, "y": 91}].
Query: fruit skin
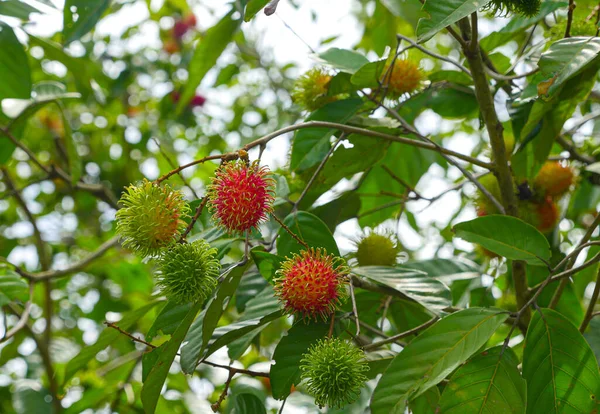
[
  {"x": 198, "y": 100},
  {"x": 528, "y": 8},
  {"x": 310, "y": 90},
  {"x": 241, "y": 196},
  {"x": 554, "y": 179},
  {"x": 543, "y": 215},
  {"x": 171, "y": 46},
  {"x": 188, "y": 272},
  {"x": 180, "y": 28},
  {"x": 377, "y": 250},
  {"x": 311, "y": 284},
  {"x": 333, "y": 371},
  {"x": 404, "y": 77},
  {"x": 151, "y": 217}
]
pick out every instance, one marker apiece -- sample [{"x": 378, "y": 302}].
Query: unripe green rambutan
[
  {"x": 333, "y": 371},
  {"x": 377, "y": 250},
  {"x": 188, "y": 272},
  {"x": 151, "y": 217},
  {"x": 483, "y": 204},
  {"x": 241, "y": 196},
  {"x": 311, "y": 283},
  {"x": 310, "y": 90},
  {"x": 528, "y": 8}
]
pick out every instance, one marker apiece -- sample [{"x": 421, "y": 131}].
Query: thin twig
[
  {"x": 22, "y": 320},
  {"x": 570, "y": 18},
  {"x": 290, "y": 232},
  {"x": 194, "y": 219},
  {"x": 589, "y": 314},
  {"x": 354, "y": 309},
  {"x": 394, "y": 338}
]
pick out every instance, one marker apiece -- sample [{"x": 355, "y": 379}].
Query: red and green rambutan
[
  {"x": 188, "y": 272},
  {"x": 554, "y": 179},
  {"x": 151, "y": 217},
  {"x": 241, "y": 196},
  {"x": 377, "y": 249},
  {"x": 333, "y": 372},
  {"x": 404, "y": 76},
  {"x": 311, "y": 284},
  {"x": 311, "y": 90}
]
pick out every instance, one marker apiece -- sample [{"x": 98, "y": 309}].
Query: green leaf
[
  {"x": 206, "y": 54},
  {"x": 203, "y": 327},
  {"x": 443, "y": 14},
  {"x": 432, "y": 355},
  {"x": 16, "y": 76},
  {"x": 73, "y": 155},
  {"x": 311, "y": 145},
  {"x": 80, "y": 16},
  {"x": 106, "y": 338},
  {"x": 488, "y": 383},
  {"x": 507, "y": 236},
  {"x": 12, "y": 287},
  {"x": 426, "y": 403},
  {"x": 29, "y": 397},
  {"x": 343, "y": 59},
  {"x": 414, "y": 284},
  {"x": 157, "y": 376},
  {"x": 447, "y": 271},
  {"x": 559, "y": 367},
  {"x": 289, "y": 352},
  {"x": 253, "y": 7},
  {"x": 168, "y": 319},
  {"x": 248, "y": 403},
  {"x": 369, "y": 75},
  {"x": 568, "y": 57},
  {"x": 267, "y": 264},
  {"x": 378, "y": 362},
  {"x": 16, "y": 8},
  {"x": 309, "y": 229}
]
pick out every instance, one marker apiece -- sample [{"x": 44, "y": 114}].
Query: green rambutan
[
  {"x": 333, "y": 371},
  {"x": 151, "y": 217},
  {"x": 377, "y": 250},
  {"x": 311, "y": 283},
  {"x": 241, "y": 196},
  {"x": 310, "y": 90},
  {"x": 528, "y": 8},
  {"x": 188, "y": 272}
]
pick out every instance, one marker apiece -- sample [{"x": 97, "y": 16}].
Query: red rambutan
[
  {"x": 241, "y": 196},
  {"x": 311, "y": 283},
  {"x": 180, "y": 28}
]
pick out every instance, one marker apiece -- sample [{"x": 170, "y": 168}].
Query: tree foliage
[{"x": 428, "y": 243}]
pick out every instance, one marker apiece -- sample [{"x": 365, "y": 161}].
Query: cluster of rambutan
[
  {"x": 309, "y": 285},
  {"x": 538, "y": 201}
]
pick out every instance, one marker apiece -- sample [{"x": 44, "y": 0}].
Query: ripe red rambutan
[
  {"x": 554, "y": 179},
  {"x": 198, "y": 100},
  {"x": 547, "y": 214},
  {"x": 241, "y": 196},
  {"x": 190, "y": 20},
  {"x": 311, "y": 283}
]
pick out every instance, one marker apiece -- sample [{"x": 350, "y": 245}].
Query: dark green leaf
[
  {"x": 16, "y": 76},
  {"x": 248, "y": 403},
  {"x": 445, "y": 13},
  {"x": 168, "y": 319},
  {"x": 489, "y": 383},
  {"x": 310, "y": 145},
  {"x": 287, "y": 356},
  {"x": 416, "y": 285},
  {"x": 432, "y": 355},
  {"x": 559, "y": 366},
  {"x": 80, "y": 16},
  {"x": 12, "y": 287},
  {"x": 369, "y": 75},
  {"x": 309, "y": 229},
  {"x": 16, "y": 8},
  {"x": 507, "y": 236},
  {"x": 157, "y": 376},
  {"x": 253, "y": 7}
]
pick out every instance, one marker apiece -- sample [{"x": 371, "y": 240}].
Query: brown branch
[
  {"x": 354, "y": 309},
  {"x": 589, "y": 314},
  {"x": 23, "y": 319},
  {"x": 291, "y": 233},
  {"x": 194, "y": 219},
  {"x": 216, "y": 406},
  {"x": 51, "y": 274},
  {"x": 29, "y": 153},
  {"x": 572, "y": 6}
]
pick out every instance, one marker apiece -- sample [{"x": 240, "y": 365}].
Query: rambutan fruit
[
  {"x": 482, "y": 203},
  {"x": 528, "y": 8},
  {"x": 310, "y": 90},
  {"x": 311, "y": 284},
  {"x": 542, "y": 215},
  {"x": 151, "y": 217},
  {"x": 333, "y": 371},
  {"x": 198, "y": 100},
  {"x": 554, "y": 179},
  {"x": 241, "y": 195},
  {"x": 190, "y": 20},
  {"x": 188, "y": 272},
  {"x": 377, "y": 249},
  {"x": 180, "y": 28},
  {"x": 403, "y": 77},
  {"x": 171, "y": 46}
]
